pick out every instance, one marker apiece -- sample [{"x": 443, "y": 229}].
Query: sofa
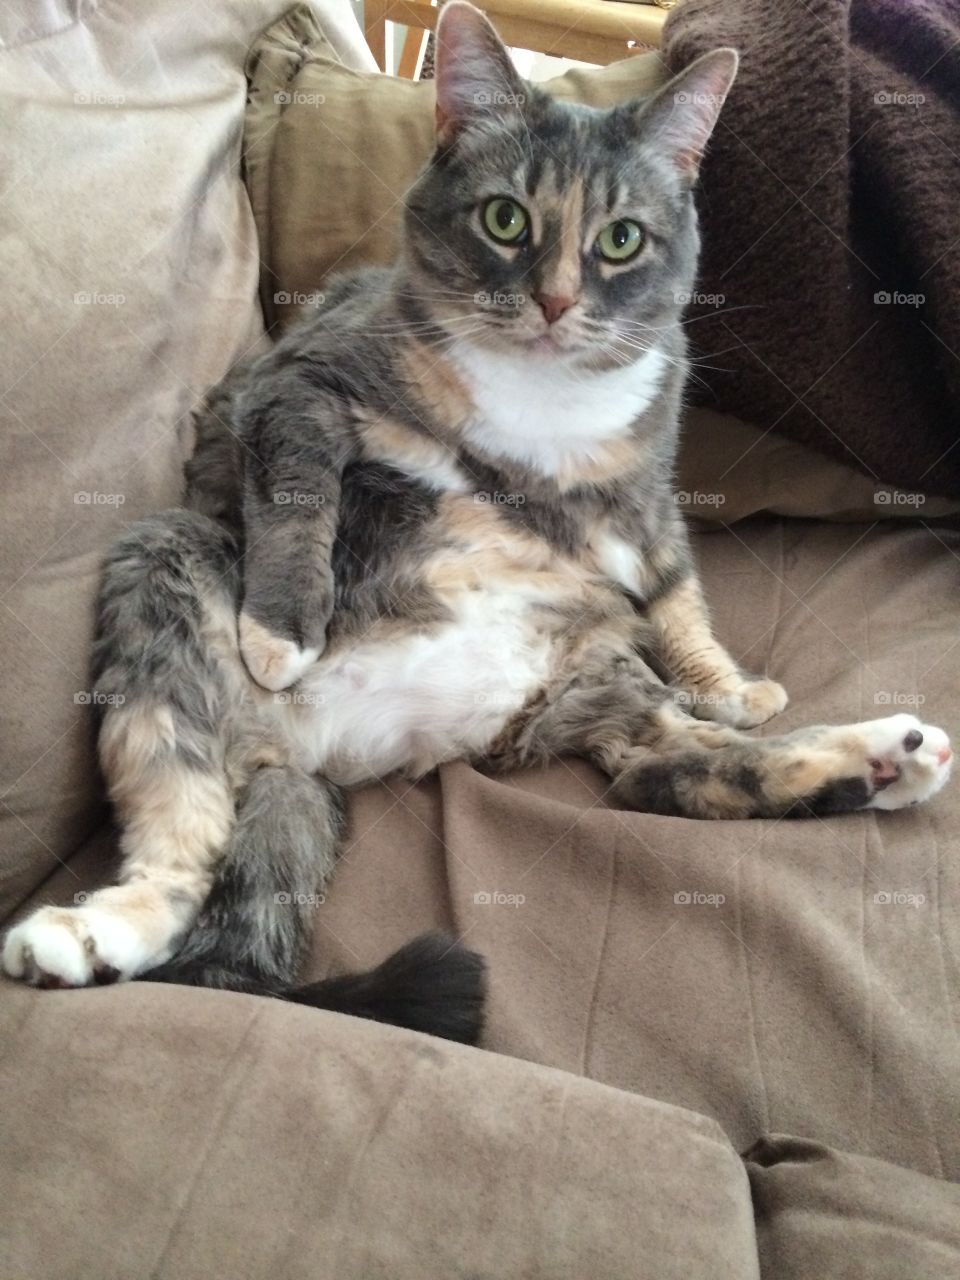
[{"x": 711, "y": 1050}]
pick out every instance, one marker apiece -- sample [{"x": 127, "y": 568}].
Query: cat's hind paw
[{"x": 74, "y": 947}]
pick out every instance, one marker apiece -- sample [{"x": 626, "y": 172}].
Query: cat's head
[{"x": 550, "y": 227}]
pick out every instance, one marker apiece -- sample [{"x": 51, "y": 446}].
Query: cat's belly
[{"x": 414, "y": 699}]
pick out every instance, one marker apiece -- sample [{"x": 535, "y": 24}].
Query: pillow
[
  {"x": 344, "y": 147},
  {"x": 331, "y": 153},
  {"x": 129, "y": 235}
]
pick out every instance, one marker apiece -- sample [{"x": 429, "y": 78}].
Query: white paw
[
  {"x": 273, "y": 662},
  {"x": 909, "y": 761},
  {"x": 752, "y": 704},
  {"x": 74, "y": 947}
]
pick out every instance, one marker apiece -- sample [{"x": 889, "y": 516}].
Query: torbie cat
[{"x": 436, "y": 522}]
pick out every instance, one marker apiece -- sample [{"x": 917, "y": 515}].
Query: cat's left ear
[
  {"x": 474, "y": 74},
  {"x": 680, "y": 118}
]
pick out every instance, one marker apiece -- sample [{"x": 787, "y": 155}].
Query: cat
[{"x": 436, "y": 522}]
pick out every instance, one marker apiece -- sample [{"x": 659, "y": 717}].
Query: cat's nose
[{"x": 553, "y": 305}]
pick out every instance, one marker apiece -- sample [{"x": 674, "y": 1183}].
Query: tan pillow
[
  {"x": 331, "y": 153},
  {"x": 129, "y": 235}
]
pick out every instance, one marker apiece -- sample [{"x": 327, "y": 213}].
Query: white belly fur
[{"x": 413, "y": 701}]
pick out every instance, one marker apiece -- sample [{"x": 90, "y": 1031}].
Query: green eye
[
  {"x": 505, "y": 220},
  {"x": 620, "y": 241}
]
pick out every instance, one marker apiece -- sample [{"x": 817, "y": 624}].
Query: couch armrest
[{"x": 172, "y": 1132}]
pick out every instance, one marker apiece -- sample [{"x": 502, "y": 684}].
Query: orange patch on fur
[{"x": 433, "y": 381}]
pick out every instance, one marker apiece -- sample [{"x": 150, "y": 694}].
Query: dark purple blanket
[{"x": 831, "y": 218}]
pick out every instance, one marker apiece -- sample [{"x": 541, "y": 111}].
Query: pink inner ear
[
  {"x": 688, "y": 160},
  {"x": 473, "y": 68},
  {"x": 690, "y": 107}
]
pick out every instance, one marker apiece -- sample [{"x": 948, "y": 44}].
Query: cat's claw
[{"x": 273, "y": 662}]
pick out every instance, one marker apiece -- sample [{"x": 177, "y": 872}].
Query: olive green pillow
[{"x": 330, "y": 154}]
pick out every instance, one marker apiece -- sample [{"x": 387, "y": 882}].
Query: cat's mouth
[
  {"x": 550, "y": 344},
  {"x": 555, "y": 341}
]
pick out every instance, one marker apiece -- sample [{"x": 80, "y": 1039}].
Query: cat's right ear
[{"x": 475, "y": 77}]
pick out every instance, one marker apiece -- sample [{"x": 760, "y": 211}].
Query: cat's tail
[
  {"x": 433, "y": 984},
  {"x": 253, "y": 930}
]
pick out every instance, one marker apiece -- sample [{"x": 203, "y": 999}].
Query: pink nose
[
  {"x": 553, "y": 305},
  {"x": 944, "y": 754}
]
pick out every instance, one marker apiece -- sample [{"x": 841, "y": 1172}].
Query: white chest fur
[{"x": 547, "y": 415}]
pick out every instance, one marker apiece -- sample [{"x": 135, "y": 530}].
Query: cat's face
[{"x": 553, "y": 229}]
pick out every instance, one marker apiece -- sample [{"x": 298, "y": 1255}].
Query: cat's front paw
[
  {"x": 74, "y": 947},
  {"x": 753, "y": 703},
  {"x": 273, "y": 662}
]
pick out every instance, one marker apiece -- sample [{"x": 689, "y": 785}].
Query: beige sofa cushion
[
  {"x": 729, "y": 470},
  {"x": 181, "y": 1135},
  {"x": 128, "y": 232},
  {"x": 822, "y": 1212}
]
